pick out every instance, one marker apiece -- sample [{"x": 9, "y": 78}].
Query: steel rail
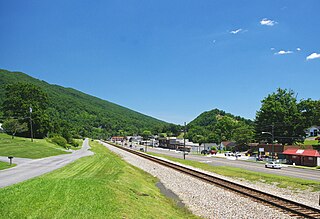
[{"x": 293, "y": 208}]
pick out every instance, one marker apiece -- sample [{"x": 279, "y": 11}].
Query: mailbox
[{"x": 10, "y": 158}]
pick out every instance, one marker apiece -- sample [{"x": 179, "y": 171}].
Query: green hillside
[
  {"x": 217, "y": 125},
  {"x": 210, "y": 118},
  {"x": 84, "y": 114}
]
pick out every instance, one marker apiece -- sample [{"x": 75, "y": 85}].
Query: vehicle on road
[
  {"x": 213, "y": 152},
  {"x": 273, "y": 165},
  {"x": 204, "y": 152}
]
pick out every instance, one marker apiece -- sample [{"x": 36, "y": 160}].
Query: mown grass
[
  {"x": 23, "y": 147},
  {"x": 233, "y": 172},
  {"x": 5, "y": 165},
  {"x": 311, "y": 142},
  {"x": 98, "y": 186}
]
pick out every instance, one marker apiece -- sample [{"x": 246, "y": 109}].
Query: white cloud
[
  {"x": 267, "y": 22},
  {"x": 272, "y": 48},
  {"x": 282, "y": 52},
  {"x": 313, "y": 56},
  {"x": 298, "y": 49},
  {"x": 236, "y": 31}
]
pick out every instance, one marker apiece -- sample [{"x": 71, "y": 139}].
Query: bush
[
  {"x": 74, "y": 143},
  {"x": 318, "y": 167},
  {"x": 59, "y": 140}
]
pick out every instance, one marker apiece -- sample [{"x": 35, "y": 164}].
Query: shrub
[
  {"x": 74, "y": 143},
  {"x": 59, "y": 140}
]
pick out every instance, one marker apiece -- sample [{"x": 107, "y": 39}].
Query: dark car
[{"x": 204, "y": 152}]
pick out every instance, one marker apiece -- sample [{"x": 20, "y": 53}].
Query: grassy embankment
[
  {"x": 5, "y": 165},
  {"x": 233, "y": 172},
  {"x": 23, "y": 147},
  {"x": 98, "y": 186}
]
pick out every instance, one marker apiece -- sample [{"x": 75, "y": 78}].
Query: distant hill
[
  {"x": 209, "y": 118},
  {"x": 83, "y": 112},
  {"x": 217, "y": 125}
]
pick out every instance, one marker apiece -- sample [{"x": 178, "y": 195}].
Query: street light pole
[
  {"x": 272, "y": 139},
  {"x": 31, "y": 131}
]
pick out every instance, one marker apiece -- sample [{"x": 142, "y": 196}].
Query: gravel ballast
[{"x": 203, "y": 199}]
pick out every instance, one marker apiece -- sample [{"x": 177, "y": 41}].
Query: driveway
[{"x": 30, "y": 168}]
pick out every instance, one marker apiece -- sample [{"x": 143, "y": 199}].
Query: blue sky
[{"x": 168, "y": 59}]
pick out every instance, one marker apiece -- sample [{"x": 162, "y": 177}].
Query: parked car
[
  {"x": 204, "y": 152},
  {"x": 213, "y": 152},
  {"x": 273, "y": 165},
  {"x": 228, "y": 153}
]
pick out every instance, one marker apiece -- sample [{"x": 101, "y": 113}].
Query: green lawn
[
  {"x": 233, "y": 172},
  {"x": 5, "y": 165},
  {"x": 23, "y": 147},
  {"x": 311, "y": 142},
  {"x": 98, "y": 186}
]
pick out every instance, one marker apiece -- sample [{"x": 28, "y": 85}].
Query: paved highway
[
  {"x": 29, "y": 168},
  {"x": 257, "y": 167}
]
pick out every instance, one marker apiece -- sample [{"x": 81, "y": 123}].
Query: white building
[{"x": 313, "y": 131}]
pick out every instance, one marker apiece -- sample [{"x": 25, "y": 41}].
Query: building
[
  {"x": 313, "y": 131},
  {"x": 175, "y": 143},
  {"x": 303, "y": 157},
  {"x": 207, "y": 146},
  {"x": 227, "y": 145},
  {"x": 117, "y": 139}
]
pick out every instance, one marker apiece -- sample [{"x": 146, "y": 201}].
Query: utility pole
[
  {"x": 31, "y": 131},
  {"x": 184, "y": 141},
  {"x": 272, "y": 134}
]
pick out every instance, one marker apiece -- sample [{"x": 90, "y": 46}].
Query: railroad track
[{"x": 292, "y": 208}]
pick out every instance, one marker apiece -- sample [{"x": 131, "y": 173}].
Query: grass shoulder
[
  {"x": 5, "y": 165},
  {"x": 23, "y": 147},
  {"x": 98, "y": 186},
  {"x": 239, "y": 173}
]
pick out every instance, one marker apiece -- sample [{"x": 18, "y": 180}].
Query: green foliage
[
  {"x": 19, "y": 98},
  {"x": 81, "y": 114},
  {"x": 216, "y": 126},
  {"x": 98, "y": 186},
  {"x": 59, "y": 140},
  {"x": 13, "y": 126},
  {"x": 146, "y": 134},
  {"x": 281, "y": 110},
  {"x": 310, "y": 110}
]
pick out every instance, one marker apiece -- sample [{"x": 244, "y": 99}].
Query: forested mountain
[
  {"x": 217, "y": 125},
  {"x": 84, "y": 114}
]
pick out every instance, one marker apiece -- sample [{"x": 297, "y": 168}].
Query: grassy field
[
  {"x": 98, "y": 186},
  {"x": 23, "y": 147},
  {"x": 233, "y": 172},
  {"x": 311, "y": 142},
  {"x": 5, "y": 165}
]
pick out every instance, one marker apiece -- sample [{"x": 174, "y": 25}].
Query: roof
[{"x": 302, "y": 152}]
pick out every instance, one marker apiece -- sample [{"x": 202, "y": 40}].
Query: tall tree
[
  {"x": 280, "y": 110},
  {"x": 19, "y": 98},
  {"x": 13, "y": 126}
]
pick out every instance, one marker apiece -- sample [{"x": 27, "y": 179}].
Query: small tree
[{"x": 13, "y": 126}]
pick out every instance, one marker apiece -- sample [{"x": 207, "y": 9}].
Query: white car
[{"x": 273, "y": 165}]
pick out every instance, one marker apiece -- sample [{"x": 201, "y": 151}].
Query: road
[
  {"x": 30, "y": 168},
  {"x": 257, "y": 167}
]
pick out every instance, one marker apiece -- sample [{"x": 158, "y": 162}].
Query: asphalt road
[
  {"x": 29, "y": 168},
  {"x": 257, "y": 167}
]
